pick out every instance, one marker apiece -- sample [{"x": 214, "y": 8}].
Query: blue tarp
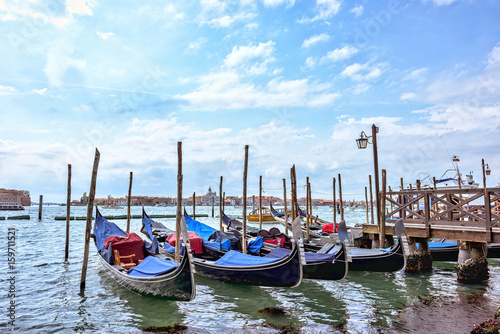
[
  {"x": 152, "y": 247},
  {"x": 152, "y": 266},
  {"x": 440, "y": 245},
  {"x": 255, "y": 245},
  {"x": 146, "y": 226},
  {"x": 171, "y": 249},
  {"x": 237, "y": 259},
  {"x": 203, "y": 231},
  {"x": 104, "y": 229},
  {"x": 310, "y": 257}
]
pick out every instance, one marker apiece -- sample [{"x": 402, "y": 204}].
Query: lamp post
[
  {"x": 362, "y": 143},
  {"x": 486, "y": 171}
]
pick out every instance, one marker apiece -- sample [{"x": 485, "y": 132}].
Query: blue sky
[{"x": 296, "y": 80}]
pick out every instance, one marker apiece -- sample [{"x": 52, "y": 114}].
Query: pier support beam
[
  {"x": 419, "y": 258},
  {"x": 472, "y": 265}
]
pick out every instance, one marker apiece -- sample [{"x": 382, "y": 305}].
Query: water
[{"x": 48, "y": 296}]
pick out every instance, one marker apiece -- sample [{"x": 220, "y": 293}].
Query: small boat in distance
[
  {"x": 111, "y": 207},
  {"x": 6, "y": 206},
  {"x": 267, "y": 216}
]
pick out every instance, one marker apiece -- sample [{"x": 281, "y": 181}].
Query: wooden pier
[
  {"x": 444, "y": 214},
  {"x": 470, "y": 216}
]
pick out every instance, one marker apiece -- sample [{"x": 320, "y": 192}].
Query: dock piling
[
  {"x": 244, "y": 223},
  {"x": 472, "y": 266},
  {"x": 179, "y": 204},
  {"x": 40, "y": 208},
  {"x": 68, "y": 209}
]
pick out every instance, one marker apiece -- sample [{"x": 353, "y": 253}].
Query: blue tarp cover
[
  {"x": 255, "y": 245},
  {"x": 203, "y": 231},
  {"x": 441, "y": 245},
  {"x": 152, "y": 266},
  {"x": 171, "y": 249},
  {"x": 237, "y": 259},
  {"x": 310, "y": 257},
  {"x": 104, "y": 229},
  {"x": 146, "y": 223}
]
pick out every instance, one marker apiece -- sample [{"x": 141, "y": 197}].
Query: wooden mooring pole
[
  {"x": 366, "y": 205},
  {"x": 40, "y": 208},
  {"x": 260, "y": 203},
  {"x": 284, "y": 202},
  {"x": 294, "y": 192},
  {"x": 129, "y": 202},
  {"x": 90, "y": 210},
  {"x": 340, "y": 198},
  {"x": 244, "y": 223},
  {"x": 68, "y": 213},
  {"x": 221, "y": 228},
  {"x": 371, "y": 199},
  {"x": 179, "y": 204},
  {"x": 334, "y": 208},
  {"x": 308, "y": 206},
  {"x": 194, "y": 205}
]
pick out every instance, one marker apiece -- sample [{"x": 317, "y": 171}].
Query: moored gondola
[
  {"x": 155, "y": 275},
  {"x": 237, "y": 268}
]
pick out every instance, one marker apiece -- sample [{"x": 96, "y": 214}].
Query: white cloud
[
  {"x": 80, "y": 7},
  {"x": 315, "y": 39},
  {"x": 416, "y": 75},
  {"x": 408, "y": 96},
  {"x": 197, "y": 45},
  {"x": 59, "y": 60},
  {"x": 275, "y": 3},
  {"x": 325, "y": 10},
  {"x": 440, "y": 2},
  {"x": 362, "y": 72},
  {"x": 244, "y": 55},
  {"x": 6, "y": 90},
  {"x": 340, "y": 54},
  {"x": 105, "y": 35},
  {"x": 358, "y": 10}
]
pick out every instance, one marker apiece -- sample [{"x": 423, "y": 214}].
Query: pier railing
[{"x": 464, "y": 214}]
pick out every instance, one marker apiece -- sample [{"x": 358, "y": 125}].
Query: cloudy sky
[{"x": 297, "y": 80}]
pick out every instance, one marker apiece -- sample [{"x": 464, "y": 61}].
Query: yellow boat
[{"x": 266, "y": 215}]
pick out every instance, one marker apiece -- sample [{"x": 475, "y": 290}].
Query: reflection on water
[{"x": 48, "y": 297}]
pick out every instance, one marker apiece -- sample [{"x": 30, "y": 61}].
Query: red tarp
[
  {"x": 195, "y": 241},
  {"x": 328, "y": 228},
  {"x": 280, "y": 241},
  {"x": 127, "y": 245}
]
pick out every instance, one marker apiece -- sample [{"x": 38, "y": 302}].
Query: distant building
[{"x": 21, "y": 197}]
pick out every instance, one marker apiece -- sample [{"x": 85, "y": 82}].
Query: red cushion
[
  {"x": 195, "y": 241},
  {"x": 127, "y": 245},
  {"x": 328, "y": 228}
]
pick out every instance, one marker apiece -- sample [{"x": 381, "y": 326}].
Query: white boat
[{"x": 10, "y": 206}]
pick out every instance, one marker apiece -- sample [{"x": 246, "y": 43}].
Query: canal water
[{"x": 47, "y": 295}]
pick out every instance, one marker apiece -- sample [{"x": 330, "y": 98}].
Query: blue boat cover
[
  {"x": 204, "y": 231},
  {"x": 152, "y": 266},
  {"x": 146, "y": 226},
  {"x": 310, "y": 257},
  {"x": 171, "y": 249},
  {"x": 255, "y": 245},
  {"x": 237, "y": 259},
  {"x": 436, "y": 245},
  {"x": 104, "y": 229},
  {"x": 152, "y": 247}
]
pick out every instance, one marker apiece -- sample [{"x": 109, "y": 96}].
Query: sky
[{"x": 296, "y": 80}]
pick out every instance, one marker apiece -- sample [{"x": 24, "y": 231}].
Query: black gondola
[
  {"x": 175, "y": 284},
  {"x": 447, "y": 250},
  {"x": 260, "y": 271},
  {"x": 333, "y": 267}
]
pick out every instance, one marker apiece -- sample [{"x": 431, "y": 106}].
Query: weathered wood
[
  {"x": 194, "y": 205},
  {"x": 68, "y": 213},
  {"x": 371, "y": 199},
  {"x": 260, "y": 203},
  {"x": 294, "y": 192},
  {"x": 221, "y": 228},
  {"x": 487, "y": 211},
  {"x": 366, "y": 205},
  {"x": 334, "y": 207},
  {"x": 40, "y": 203},
  {"x": 90, "y": 209},
  {"x": 382, "y": 209},
  {"x": 178, "y": 215},
  {"x": 308, "y": 207},
  {"x": 285, "y": 206},
  {"x": 244, "y": 223},
  {"x": 128, "y": 202},
  {"x": 340, "y": 198},
  {"x": 375, "y": 166},
  {"x": 224, "y": 201}
]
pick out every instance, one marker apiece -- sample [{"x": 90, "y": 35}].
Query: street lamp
[
  {"x": 486, "y": 171},
  {"x": 362, "y": 143}
]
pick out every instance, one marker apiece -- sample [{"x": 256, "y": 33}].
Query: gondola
[
  {"x": 381, "y": 260},
  {"x": 155, "y": 275},
  {"x": 236, "y": 268},
  {"x": 447, "y": 250},
  {"x": 333, "y": 267}
]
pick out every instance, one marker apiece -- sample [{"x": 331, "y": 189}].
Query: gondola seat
[{"x": 127, "y": 265}]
